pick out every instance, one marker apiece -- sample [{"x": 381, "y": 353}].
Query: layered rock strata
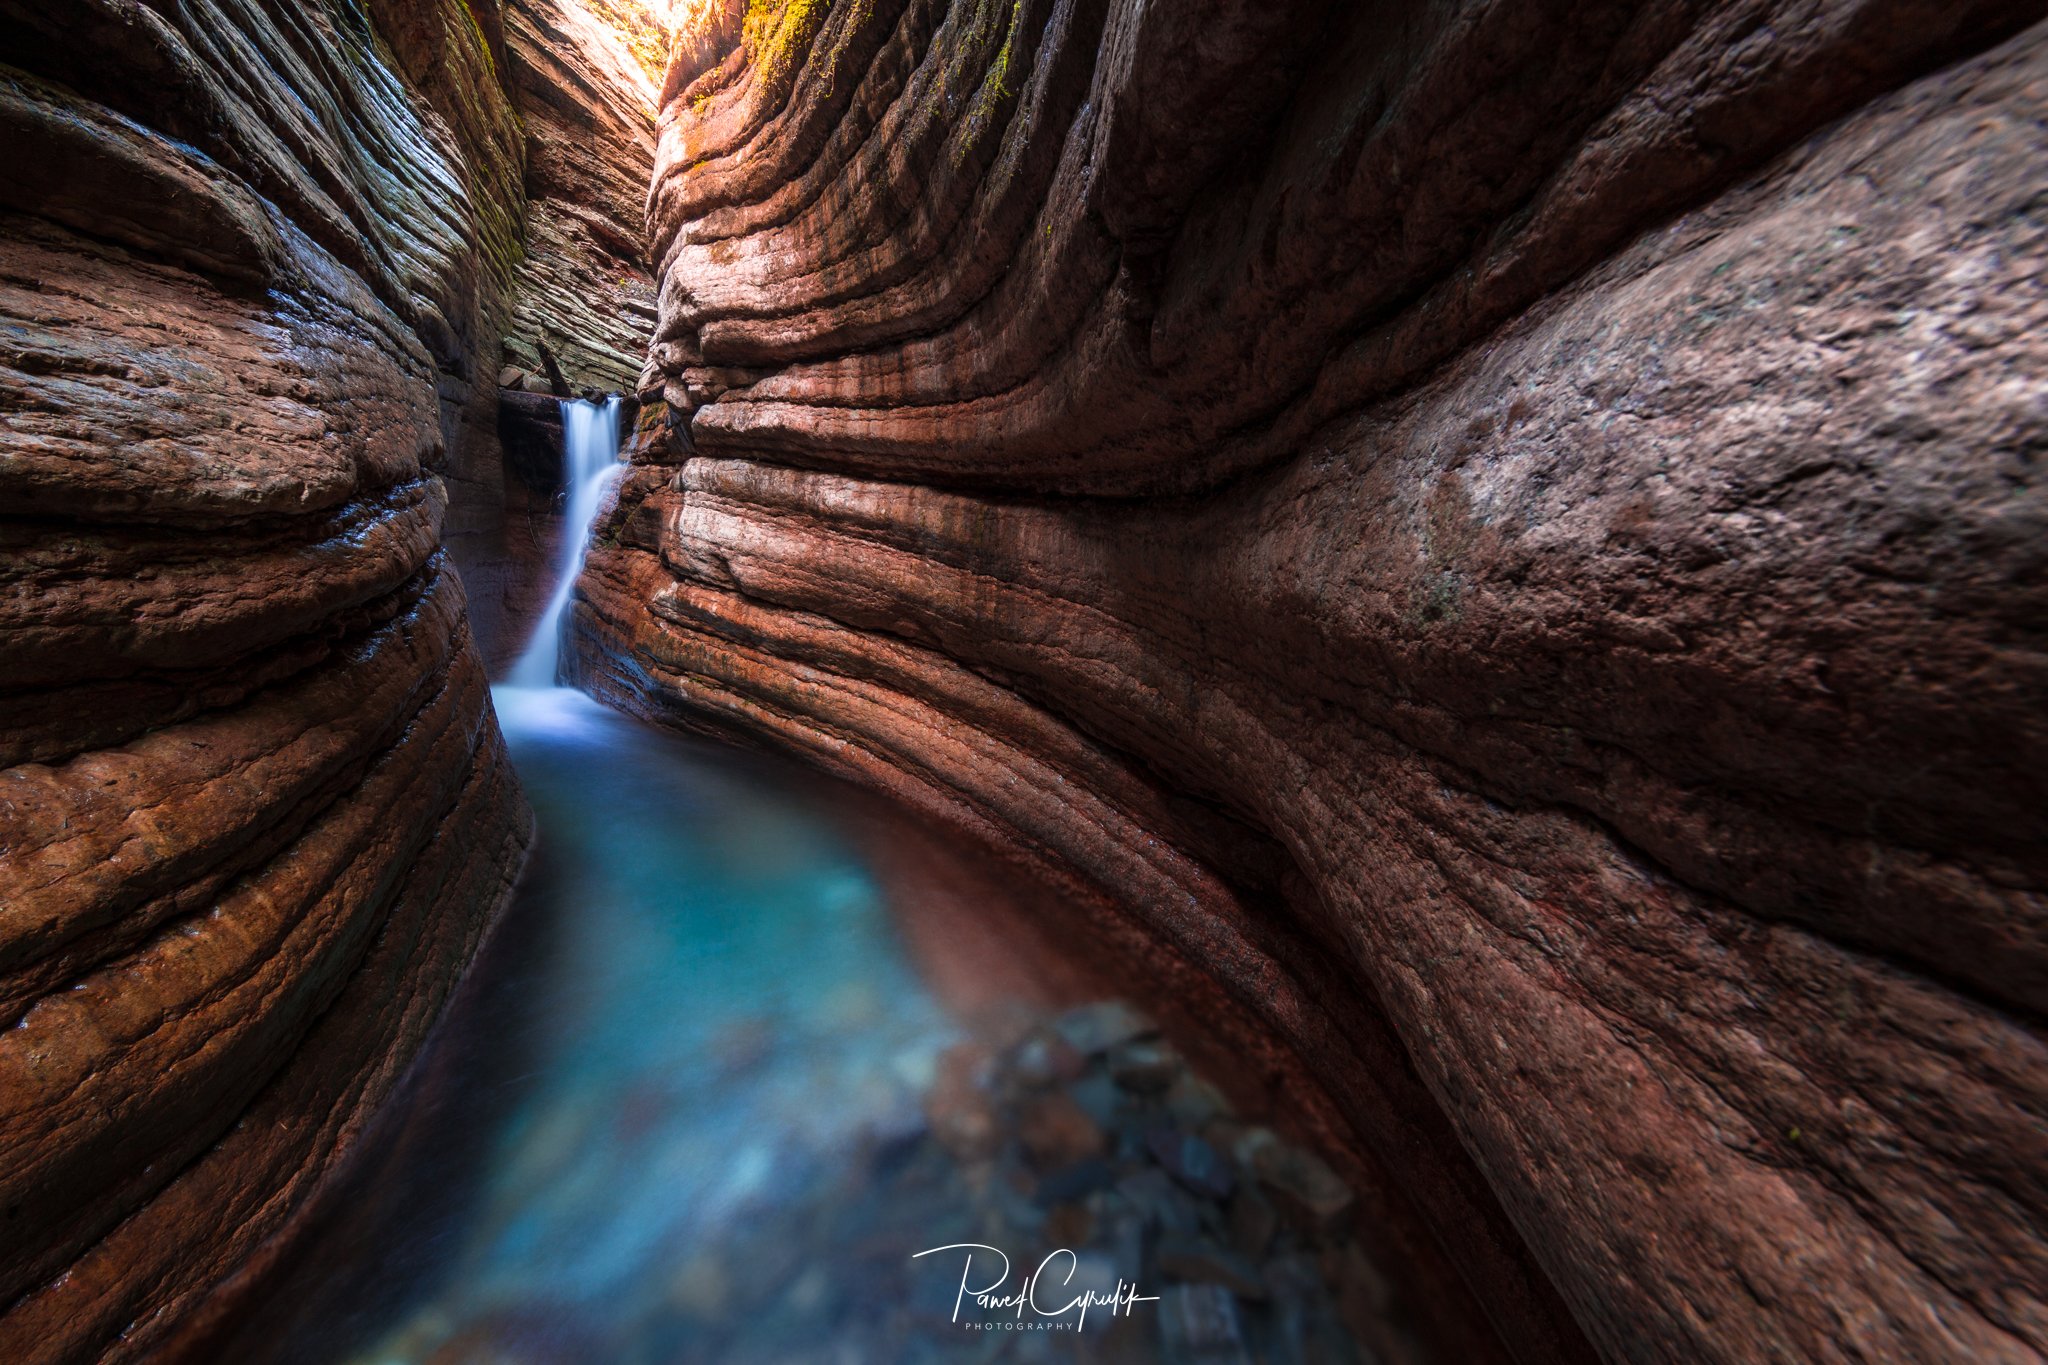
[
  {"x": 582, "y": 290},
  {"x": 255, "y": 813},
  {"x": 1495, "y": 549}
]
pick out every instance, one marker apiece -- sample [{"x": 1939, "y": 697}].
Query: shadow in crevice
[{"x": 344, "y": 1274}]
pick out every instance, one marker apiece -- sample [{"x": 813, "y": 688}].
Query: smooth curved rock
[
  {"x": 255, "y": 811},
  {"x": 1496, "y": 547}
]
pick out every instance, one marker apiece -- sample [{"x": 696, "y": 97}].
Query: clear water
[
  {"x": 678, "y": 1110},
  {"x": 696, "y": 1012},
  {"x": 727, "y": 1006},
  {"x": 697, "y": 1008}
]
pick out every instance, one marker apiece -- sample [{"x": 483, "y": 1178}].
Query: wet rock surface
[
  {"x": 862, "y": 1255},
  {"x": 255, "y": 813},
  {"x": 1498, "y": 550},
  {"x": 717, "y": 1081},
  {"x": 1095, "y": 1211}
]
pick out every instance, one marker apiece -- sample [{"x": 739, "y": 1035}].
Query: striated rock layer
[
  {"x": 582, "y": 289},
  {"x": 255, "y": 813},
  {"x": 1495, "y": 549}
]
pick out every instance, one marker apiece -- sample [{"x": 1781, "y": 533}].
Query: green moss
[
  {"x": 483, "y": 42},
  {"x": 646, "y": 37},
  {"x": 996, "y": 85},
  {"x": 776, "y": 33}
]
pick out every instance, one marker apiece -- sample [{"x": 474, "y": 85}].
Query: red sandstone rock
[
  {"x": 583, "y": 286},
  {"x": 1572, "y": 711},
  {"x": 255, "y": 815},
  {"x": 582, "y": 289}
]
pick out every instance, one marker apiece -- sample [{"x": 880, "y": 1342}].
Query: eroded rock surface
[
  {"x": 588, "y": 108},
  {"x": 582, "y": 290},
  {"x": 254, "y": 809},
  {"x": 1495, "y": 548}
]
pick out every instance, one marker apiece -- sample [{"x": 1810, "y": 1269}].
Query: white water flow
[{"x": 590, "y": 462}]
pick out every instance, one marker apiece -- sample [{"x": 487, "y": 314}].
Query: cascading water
[
  {"x": 698, "y": 1100},
  {"x": 590, "y": 463}
]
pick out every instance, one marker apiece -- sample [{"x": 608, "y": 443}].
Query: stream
[{"x": 751, "y": 1072}]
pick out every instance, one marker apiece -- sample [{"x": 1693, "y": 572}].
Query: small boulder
[
  {"x": 1193, "y": 1162},
  {"x": 1097, "y": 1094},
  {"x": 1199, "y": 1324},
  {"x": 1055, "y": 1132},
  {"x": 1153, "y": 1196},
  {"x": 1193, "y": 1102},
  {"x": 1145, "y": 1068},
  {"x": 1072, "y": 1183},
  {"x": 958, "y": 1107},
  {"x": 1300, "y": 1183},
  {"x": 1253, "y": 1222},
  {"x": 1045, "y": 1058},
  {"x": 1097, "y": 1028}
]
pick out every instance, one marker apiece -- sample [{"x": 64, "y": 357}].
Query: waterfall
[{"x": 590, "y": 462}]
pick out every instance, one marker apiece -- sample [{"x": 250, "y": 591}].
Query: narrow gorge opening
[{"x": 962, "y": 680}]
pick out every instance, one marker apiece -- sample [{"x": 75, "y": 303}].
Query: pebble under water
[{"x": 694, "y": 1103}]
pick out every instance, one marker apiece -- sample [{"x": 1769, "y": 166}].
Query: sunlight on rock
[{"x": 966, "y": 682}]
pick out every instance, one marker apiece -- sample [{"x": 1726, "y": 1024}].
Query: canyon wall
[
  {"x": 1496, "y": 552},
  {"x": 254, "y": 809},
  {"x": 583, "y": 289}
]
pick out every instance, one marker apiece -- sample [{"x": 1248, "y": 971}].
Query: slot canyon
[{"x": 1423, "y": 624}]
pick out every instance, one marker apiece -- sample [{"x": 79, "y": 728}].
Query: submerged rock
[
  {"x": 1200, "y": 1261},
  {"x": 1199, "y": 1325},
  {"x": 1253, "y": 1221},
  {"x": 959, "y": 1107},
  {"x": 1300, "y": 1183},
  {"x": 1096, "y": 1028},
  {"x": 813, "y": 1256},
  {"x": 1055, "y": 1131},
  {"x": 1193, "y": 1162},
  {"x": 1147, "y": 1068}
]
